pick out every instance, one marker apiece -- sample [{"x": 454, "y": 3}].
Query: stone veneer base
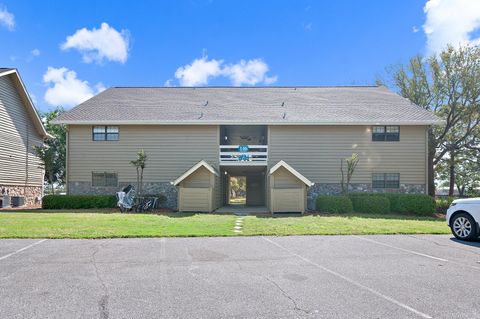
[{"x": 32, "y": 194}]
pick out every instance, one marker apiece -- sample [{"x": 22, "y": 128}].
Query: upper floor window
[
  {"x": 387, "y": 133},
  {"x": 386, "y": 180},
  {"x": 104, "y": 179},
  {"x": 105, "y": 133}
]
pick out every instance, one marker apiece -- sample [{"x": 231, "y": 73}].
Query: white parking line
[
  {"x": 351, "y": 281},
  {"x": 402, "y": 249},
  {"x": 22, "y": 249}
]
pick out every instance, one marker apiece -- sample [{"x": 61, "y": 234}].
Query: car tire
[{"x": 463, "y": 227}]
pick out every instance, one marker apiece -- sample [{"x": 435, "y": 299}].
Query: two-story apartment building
[
  {"x": 287, "y": 142},
  {"x": 21, "y": 172}
]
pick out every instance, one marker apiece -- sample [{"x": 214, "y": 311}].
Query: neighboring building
[
  {"x": 286, "y": 141},
  {"x": 21, "y": 174}
]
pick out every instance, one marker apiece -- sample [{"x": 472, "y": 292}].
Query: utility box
[
  {"x": 18, "y": 201},
  {"x": 5, "y": 201}
]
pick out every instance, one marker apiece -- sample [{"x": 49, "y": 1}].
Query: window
[
  {"x": 386, "y": 133},
  {"x": 386, "y": 180},
  {"x": 104, "y": 179},
  {"x": 105, "y": 133}
]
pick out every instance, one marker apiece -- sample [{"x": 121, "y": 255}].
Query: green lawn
[
  {"x": 95, "y": 225},
  {"x": 352, "y": 224},
  {"x": 92, "y": 224}
]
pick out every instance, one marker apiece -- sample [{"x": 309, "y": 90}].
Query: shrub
[
  {"x": 334, "y": 204},
  {"x": 418, "y": 204},
  {"x": 78, "y": 201},
  {"x": 370, "y": 204},
  {"x": 443, "y": 203}
]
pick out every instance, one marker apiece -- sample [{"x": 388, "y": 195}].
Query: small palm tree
[
  {"x": 352, "y": 162},
  {"x": 139, "y": 164}
]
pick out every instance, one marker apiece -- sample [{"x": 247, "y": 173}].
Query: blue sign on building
[{"x": 243, "y": 148}]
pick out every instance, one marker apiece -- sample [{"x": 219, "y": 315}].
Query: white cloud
[
  {"x": 35, "y": 52},
  {"x": 65, "y": 89},
  {"x": 415, "y": 29},
  {"x": 249, "y": 72},
  {"x": 202, "y": 70},
  {"x": 98, "y": 44},
  {"x": 198, "y": 72},
  {"x": 7, "y": 18},
  {"x": 451, "y": 22}
]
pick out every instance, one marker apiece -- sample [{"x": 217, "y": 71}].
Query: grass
[
  {"x": 350, "y": 224},
  {"x": 94, "y": 224}
]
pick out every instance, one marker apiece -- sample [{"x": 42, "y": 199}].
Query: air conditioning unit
[
  {"x": 18, "y": 201},
  {"x": 5, "y": 201}
]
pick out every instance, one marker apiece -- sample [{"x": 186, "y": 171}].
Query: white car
[{"x": 463, "y": 217}]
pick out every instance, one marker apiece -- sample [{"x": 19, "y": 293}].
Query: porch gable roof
[
  {"x": 293, "y": 171},
  {"x": 193, "y": 169}
]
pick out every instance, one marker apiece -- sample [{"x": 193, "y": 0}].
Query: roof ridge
[{"x": 247, "y": 87}]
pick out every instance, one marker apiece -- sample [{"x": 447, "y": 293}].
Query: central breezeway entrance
[
  {"x": 237, "y": 190},
  {"x": 243, "y": 185}
]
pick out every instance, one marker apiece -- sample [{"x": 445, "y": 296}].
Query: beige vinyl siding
[
  {"x": 196, "y": 192},
  {"x": 18, "y": 135},
  {"x": 171, "y": 150},
  {"x": 315, "y": 152},
  {"x": 285, "y": 179},
  {"x": 195, "y": 199},
  {"x": 199, "y": 179}
]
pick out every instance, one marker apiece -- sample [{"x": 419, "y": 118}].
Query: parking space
[{"x": 417, "y": 276}]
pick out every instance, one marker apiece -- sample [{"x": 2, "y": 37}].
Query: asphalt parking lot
[{"x": 416, "y": 276}]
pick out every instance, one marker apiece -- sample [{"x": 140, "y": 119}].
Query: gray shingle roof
[
  {"x": 5, "y": 69},
  {"x": 248, "y": 105}
]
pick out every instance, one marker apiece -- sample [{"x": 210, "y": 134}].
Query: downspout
[
  {"x": 426, "y": 159},
  {"x": 66, "y": 159},
  {"x": 26, "y": 159}
]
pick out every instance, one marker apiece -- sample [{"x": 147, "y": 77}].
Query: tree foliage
[
  {"x": 53, "y": 152},
  {"x": 447, "y": 84}
]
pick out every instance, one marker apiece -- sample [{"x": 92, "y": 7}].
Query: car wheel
[{"x": 463, "y": 227}]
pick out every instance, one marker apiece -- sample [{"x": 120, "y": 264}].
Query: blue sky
[{"x": 157, "y": 43}]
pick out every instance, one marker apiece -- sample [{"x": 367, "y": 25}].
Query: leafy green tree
[
  {"x": 447, "y": 84},
  {"x": 140, "y": 163},
  {"x": 53, "y": 152}
]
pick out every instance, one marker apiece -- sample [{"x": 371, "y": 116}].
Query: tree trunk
[
  {"x": 430, "y": 166},
  {"x": 451, "y": 187},
  {"x": 141, "y": 180},
  {"x": 138, "y": 182}
]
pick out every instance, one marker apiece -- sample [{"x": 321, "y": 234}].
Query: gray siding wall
[
  {"x": 171, "y": 151},
  {"x": 18, "y": 135},
  {"x": 315, "y": 152}
]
